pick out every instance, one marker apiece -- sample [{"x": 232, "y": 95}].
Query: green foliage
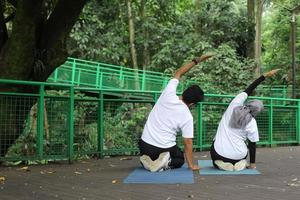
[
  {"x": 124, "y": 126},
  {"x": 99, "y": 34},
  {"x": 225, "y": 73},
  {"x": 277, "y": 39},
  {"x": 175, "y": 31}
]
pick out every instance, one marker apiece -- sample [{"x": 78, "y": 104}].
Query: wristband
[{"x": 196, "y": 60}]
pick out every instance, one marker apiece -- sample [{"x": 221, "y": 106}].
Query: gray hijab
[
  {"x": 255, "y": 106},
  {"x": 242, "y": 115}
]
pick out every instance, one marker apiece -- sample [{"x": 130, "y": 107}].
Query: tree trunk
[
  {"x": 35, "y": 55},
  {"x": 18, "y": 52},
  {"x": 198, "y": 24},
  {"x": 34, "y": 49},
  {"x": 52, "y": 46},
  {"x": 132, "y": 45},
  {"x": 251, "y": 28},
  {"x": 146, "y": 53},
  {"x": 259, "y": 11}
]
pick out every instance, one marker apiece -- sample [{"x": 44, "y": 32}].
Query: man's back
[{"x": 169, "y": 116}]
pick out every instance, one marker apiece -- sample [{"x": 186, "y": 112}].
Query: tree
[
  {"x": 31, "y": 50},
  {"x": 47, "y": 24},
  {"x": 276, "y": 37},
  {"x": 251, "y": 27},
  {"x": 258, "y": 17},
  {"x": 132, "y": 35},
  {"x": 146, "y": 53}
]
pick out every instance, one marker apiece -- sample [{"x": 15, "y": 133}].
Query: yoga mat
[
  {"x": 173, "y": 176},
  {"x": 207, "y": 168}
]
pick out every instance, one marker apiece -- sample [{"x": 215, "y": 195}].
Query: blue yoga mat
[
  {"x": 173, "y": 176},
  {"x": 207, "y": 168}
]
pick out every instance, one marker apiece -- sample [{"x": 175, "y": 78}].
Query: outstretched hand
[
  {"x": 271, "y": 73},
  {"x": 206, "y": 56},
  {"x": 194, "y": 167},
  {"x": 251, "y": 166},
  {"x": 202, "y": 58}
]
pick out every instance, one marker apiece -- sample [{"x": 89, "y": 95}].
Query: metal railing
[
  {"x": 64, "y": 121},
  {"x": 85, "y": 73}
]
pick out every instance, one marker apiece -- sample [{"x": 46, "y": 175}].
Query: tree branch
[
  {"x": 296, "y": 9},
  {"x": 56, "y": 30}
]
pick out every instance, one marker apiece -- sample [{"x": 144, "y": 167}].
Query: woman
[{"x": 229, "y": 150}]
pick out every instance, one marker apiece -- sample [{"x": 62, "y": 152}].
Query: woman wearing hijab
[{"x": 229, "y": 150}]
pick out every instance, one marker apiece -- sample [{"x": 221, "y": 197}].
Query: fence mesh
[
  {"x": 18, "y": 119},
  {"x": 123, "y": 125},
  {"x": 61, "y": 124},
  {"x": 85, "y": 127},
  {"x": 56, "y": 130}
]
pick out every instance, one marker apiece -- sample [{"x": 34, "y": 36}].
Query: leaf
[
  {"x": 2, "y": 179},
  {"x": 24, "y": 169},
  {"x": 126, "y": 158}
]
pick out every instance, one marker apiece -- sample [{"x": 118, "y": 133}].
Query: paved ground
[{"x": 102, "y": 179}]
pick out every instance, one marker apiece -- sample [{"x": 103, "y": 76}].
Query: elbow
[
  {"x": 251, "y": 145},
  {"x": 188, "y": 141},
  {"x": 177, "y": 75}
]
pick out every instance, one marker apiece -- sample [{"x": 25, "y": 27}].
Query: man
[
  {"x": 229, "y": 150},
  {"x": 170, "y": 115}
]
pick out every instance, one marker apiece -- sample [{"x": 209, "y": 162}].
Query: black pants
[
  {"x": 215, "y": 156},
  {"x": 177, "y": 157}
]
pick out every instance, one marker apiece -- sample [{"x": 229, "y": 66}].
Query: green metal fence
[
  {"x": 86, "y": 73},
  {"x": 62, "y": 121}
]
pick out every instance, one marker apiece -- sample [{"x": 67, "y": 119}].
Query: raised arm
[
  {"x": 185, "y": 68},
  {"x": 253, "y": 85}
]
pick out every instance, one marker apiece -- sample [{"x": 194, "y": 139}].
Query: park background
[{"x": 42, "y": 120}]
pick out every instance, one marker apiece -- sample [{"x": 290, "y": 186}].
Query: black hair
[{"x": 193, "y": 94}]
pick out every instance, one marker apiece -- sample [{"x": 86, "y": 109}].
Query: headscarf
[
  {"x": 255, "y": 106},
  {"x": 242, "y": 115}
]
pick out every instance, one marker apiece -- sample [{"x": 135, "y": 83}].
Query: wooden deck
[{"x": 102, "y": 179}]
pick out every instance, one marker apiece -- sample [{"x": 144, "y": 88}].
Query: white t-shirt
[
  {"x": 168, "y": 116},
  {"x": 230, "y": 142}
]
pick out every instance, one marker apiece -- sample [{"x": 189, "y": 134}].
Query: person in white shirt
[
  {"x": 229, "y": 150},
  {"x": 169, "y": 116}
]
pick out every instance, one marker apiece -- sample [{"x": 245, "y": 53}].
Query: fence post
[
  {"x": 271, "y": 123},
  {"x": 71, "y": 125},
  {"x": 200, "y": 133},
  {"x": 101, "y": 80},
  {"x": 78, "y": 77},
  {"x": 121, "y": 77},
  {"x": 40, "y": 122},
  {"x": 97, "y": 77},
  {"x": 143, "y": 81},
  {"x": 73, "y": 71},
  {"x": 55, "y": 75},
  {"x": 165, "y": 82},
  {"x": 100, "y": 125}
]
